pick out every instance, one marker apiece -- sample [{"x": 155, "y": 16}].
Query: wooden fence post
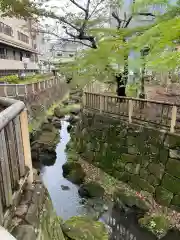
[
  {"x": 5, "y": 171},
  {"x": 39, "y": 86},
  {"x": 101, "y": 103},
  {"x": 26, "y": 143},
  {"x": 17, "y": 93},
  {"x": 130, "y": 111},
  {"x": 33, "y": 88},
  {"x": 1, "y": 213},
  {"x": 26, "y": 92},
  {"x": 5, "y": 91},
  {"x": 84, "y": 99},
  {"x": 173, "y": 118}
]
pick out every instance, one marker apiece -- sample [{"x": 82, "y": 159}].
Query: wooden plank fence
[
  {"x": 15, "y": 154},
  {"x": 162, "y": 115},
  {"x": 21, "y": 90}
]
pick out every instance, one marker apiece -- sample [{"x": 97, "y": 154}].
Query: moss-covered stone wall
[{"x": 143, "y": 157}]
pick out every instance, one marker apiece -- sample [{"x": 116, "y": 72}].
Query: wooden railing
[
  {"x": 21, "y": 90},
  {"x": 96, "y": 87},
  {"x": 163, "y": 115},
  {"x": 15, "y": 155}
]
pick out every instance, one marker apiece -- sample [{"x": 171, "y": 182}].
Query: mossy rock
[
  {"x": 129, "y": 199},
  {"x": 73, "y": 119},
  {"x": 171, "y": 183},
  {"x": 84, "y": 228},
  {"x": 163, "y": 196},
  {"x": 73, "y": 172},
  {"x": 91, "y": 190},
  {"x": 69, "y": 128},
  {"x": 144, "y": 185},
  {"x": 47, "y": 157},
  {"x": 156, "y": 169},
  {"x": 75, "y": 111},
  {"x": 159, "y": 224},
  {"x": 58, "y": 112},
  {"x": 176, "y": 200},
  {"x": 173, "y": 167},
  {"x": 47, "y": 127}
]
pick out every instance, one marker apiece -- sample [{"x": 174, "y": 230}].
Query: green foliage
[
  {"x": 10, "y": 79},
  {"x": 14, "y": 79},
  {"x": 92, "y": 64},
  {"x": 158, "y": 224},
  {"x": 17, "y": 8}
]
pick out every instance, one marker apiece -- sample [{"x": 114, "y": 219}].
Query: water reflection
[{"x": 124, "y": 225}]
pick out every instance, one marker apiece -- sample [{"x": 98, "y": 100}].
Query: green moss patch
[{"x": 84, "y": 228}]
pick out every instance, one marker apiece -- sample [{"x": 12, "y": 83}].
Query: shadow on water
[{"x": 123, "y": 225}]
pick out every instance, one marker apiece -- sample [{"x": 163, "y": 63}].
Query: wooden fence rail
[
  {"x": 163, "y": 115},
  {"x": 21, "y": 90},
  {"x": 15, "y": 155}
]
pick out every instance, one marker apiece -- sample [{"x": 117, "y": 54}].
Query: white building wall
[
  {"x": 12, "y": 43},
  {"x": 17, "y": 25}
]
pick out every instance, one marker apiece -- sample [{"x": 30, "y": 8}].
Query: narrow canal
[{"x": 67, "y": 203}]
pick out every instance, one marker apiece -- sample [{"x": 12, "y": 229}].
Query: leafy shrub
[
  {"x": 157, "y": 224},
  {"x": 10, "y": 79}
]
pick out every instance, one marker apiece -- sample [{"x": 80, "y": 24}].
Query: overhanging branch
[{"x": 78, "y": 5}]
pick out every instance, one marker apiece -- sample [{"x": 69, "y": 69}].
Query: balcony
[{"x": 9, "y": 64}]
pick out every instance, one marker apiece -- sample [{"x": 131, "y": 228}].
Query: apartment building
[{"x": 18, "y": 46}]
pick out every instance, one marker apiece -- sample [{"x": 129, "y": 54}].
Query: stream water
[{"x": 67, "y": 203}]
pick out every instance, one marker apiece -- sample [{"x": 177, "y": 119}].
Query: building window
[
  {"x": 22, "y": 37},
  {"x": 6, "y": 29},
  {"x": 71, "y": 55},
  {"x": 3, "y": 53},
  {"x": 28, "y": 55},
  {"x": 21, "y": 56},
  {"x": 14, "y": 54}
]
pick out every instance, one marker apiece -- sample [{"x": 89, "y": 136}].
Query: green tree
[{"x": 17, "y": 8}]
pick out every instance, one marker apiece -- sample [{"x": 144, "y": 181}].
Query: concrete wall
[{"x": 143, "y": 157}]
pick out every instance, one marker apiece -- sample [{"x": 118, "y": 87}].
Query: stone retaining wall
[
  {"x": 25, "y": 222},
  {"x": 34, "y": 210},
  {"x": 40, "y": 102},
  {"x": 143, "y": 157}
]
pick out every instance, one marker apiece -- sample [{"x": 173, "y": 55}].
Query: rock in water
[
  {"x": 75, "y": 111},
  {"x": 73, "y": 172},
  {"x": 91, "y": 190},
  {"x": 84, "y": 228},
  {"x": 47, "y": 157},
  {"x": 57, "y": 124},
  {"x": 73, "y": 119},
  {"x": 69, "y": 127},
  {"x": 65, "y": 188},
  {"x": 47, "y": 127},
  {"x": 58, "y": 113}
]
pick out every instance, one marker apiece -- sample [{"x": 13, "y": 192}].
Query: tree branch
[
  {"x": 114, "y": 15},
  {"x": 79, "y": 6},
  {"x": 146, "y": 14},
  {"x": 128, "y": 22},
  {"x": 75, "y": 41},
  {"x": 43, "y": 13},
  {"x": 94, "y": 10}
]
